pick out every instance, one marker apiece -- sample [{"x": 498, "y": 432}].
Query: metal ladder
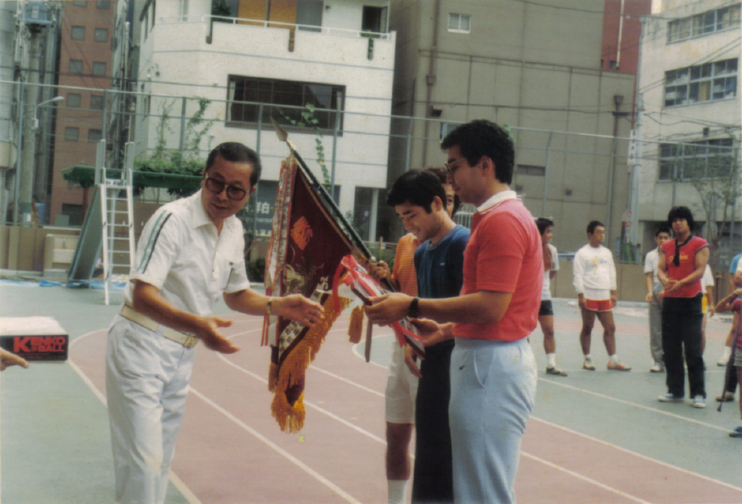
[{"x": 117, "y": 215}]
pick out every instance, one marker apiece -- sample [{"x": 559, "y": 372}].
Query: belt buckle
[{"x": 190, "y": 341}]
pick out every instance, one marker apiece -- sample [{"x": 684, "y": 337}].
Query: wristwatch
[{"x": 413, "y": 311}]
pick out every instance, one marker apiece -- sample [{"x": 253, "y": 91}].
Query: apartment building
[
  {"x": 84, "y": 78},
  {"x": 243, "y": 62},
  {"x": 690, "y": 125},
  {"x": 544, "y": 70}
]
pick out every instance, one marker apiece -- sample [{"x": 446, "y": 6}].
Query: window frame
[
  {"x": 69, "y": 67},
  {"x": 672, "y": 158},
  {"x": 98, "y": 63},
  {"x": 704, "y": 23},
  {"x": 268, "y": 91},
  {"x": 77, "y": 28},
  {"x": 713, "y": 81},
  {"x": 95, "y": 97},
  {"x": 459, "y": 17},
  {"x": 100, "y": 30},
  {"x": 100, "y": 134},
  {"x": 70, "y": 102},
  {"x": 67, "y": 134}
]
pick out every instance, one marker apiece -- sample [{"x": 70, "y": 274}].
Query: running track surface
[{"x": 230, "y": 449}]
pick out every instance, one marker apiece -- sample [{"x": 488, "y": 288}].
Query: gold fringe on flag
[
  {"x": 355, "y": 329},
  {"x": 291, "y": 372}
]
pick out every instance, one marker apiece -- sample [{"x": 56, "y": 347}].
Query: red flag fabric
[{"x": 305, "y": 249}]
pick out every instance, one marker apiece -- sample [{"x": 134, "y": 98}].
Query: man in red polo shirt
[{"x": 493, "y": 371}]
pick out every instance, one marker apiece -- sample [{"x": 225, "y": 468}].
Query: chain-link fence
[{"x": 570, "y": 177}]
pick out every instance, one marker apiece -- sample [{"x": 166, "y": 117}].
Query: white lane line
[
  {"x": 307, "y": 403},
  {"x": 345, "y": 380},
  {"x": 630, "y": 452},
  {"x": 329, "y": 484},
  {"x": 584, "y": 478},
  {"x": 177, "y": 482},
  {"x": 641, "y": 406}
]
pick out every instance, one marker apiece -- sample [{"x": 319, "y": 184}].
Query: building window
[
  {"x": 703, "y": 24},
  {"x": 103, "y": 4},
  {"x": 101, "y": 35},
  {"x": 74, "y": 213},
  {"x": 538, "y": 171},
  {"x": 99, "y": 69},
  {"x": 73, "y": 100},
  {"x": 75, "y": 66},
  {"x": 447, "y": 128},
  {"x": 698, "y": 160},
  {"x": 374, "y": 19},
  {"x": 97, "y": 102},
  {"x": 278, "y": 95},
  {"x": 78, "y": 33},
  {"x": 72, "y": 134},
  {"x": 183, "y": 10},
  {"x": 94, "y": 135},
  {"x": 710, "y": 81},
  {"x": 80, "y": 3},
  {"x": 459, "y": 23}
]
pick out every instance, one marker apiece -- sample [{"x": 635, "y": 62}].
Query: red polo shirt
[
  {"x": 504, "y": 255},
  {"x": 687, "y": 266}
]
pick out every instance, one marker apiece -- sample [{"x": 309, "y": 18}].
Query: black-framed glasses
[
  {"x": 216, "y": 186},
  {"x": 451, "y": 167}
]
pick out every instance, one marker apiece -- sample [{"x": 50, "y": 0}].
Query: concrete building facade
[
  {"x": 690, "y": 116},
  {"x": 263, "y": 59},
  {"x": 535, "y": 67},
  {"x": 84, "y": 75}
]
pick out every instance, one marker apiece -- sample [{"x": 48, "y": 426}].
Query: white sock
[
  {"x": 613, "y": 358},
  {"x": 727, "y": 353},
  {"x": 396, "y": 491},
  {"x": 587, "y": 357},
  {"x": 551, "y": 360}
]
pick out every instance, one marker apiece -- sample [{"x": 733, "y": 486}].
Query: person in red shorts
[
  {"x": 595, "y": 283},
  {"x": 734, "y": 302}
]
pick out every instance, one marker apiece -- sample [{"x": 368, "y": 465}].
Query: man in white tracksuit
[
  {"x": 595, "y": 283},
  {"x": 190, "y": 253}
]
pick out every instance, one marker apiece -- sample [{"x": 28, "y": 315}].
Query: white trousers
[{"x": 147, "y": 377}]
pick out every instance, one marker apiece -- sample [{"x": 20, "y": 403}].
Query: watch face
[{"x": 413, "y": 311}]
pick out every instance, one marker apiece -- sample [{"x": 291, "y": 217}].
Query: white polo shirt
[
  {"x": 181, "y": 253},
  {"x": 546, "y": 293}
]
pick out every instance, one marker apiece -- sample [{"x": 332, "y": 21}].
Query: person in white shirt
[
  {"x": 595, "y": 283},
  {"x": 190, "y": 253},
  {"x": 708, "y": 307},
  {"x": 654, "y": 298},
  {"x": 546, "y": 311}
]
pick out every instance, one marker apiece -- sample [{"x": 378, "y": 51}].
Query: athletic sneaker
[
  {"x": 618, "y": 366},
  {"x": 588, "y": 364},
  {"x": 736, "y": 432},
  {"x": 669, "y": 397},
  {"x": 723, "y": 360},
  {"x": 657, "y": 368},
  {"x": 727, "y": 397},
  {"x": 699, "y": 402},
  {"x": 555, "y": 371}
]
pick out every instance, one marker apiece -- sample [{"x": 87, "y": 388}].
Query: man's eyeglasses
[
  {"x": 451, "y": 167},
  {"x": 233, "y": 192}
]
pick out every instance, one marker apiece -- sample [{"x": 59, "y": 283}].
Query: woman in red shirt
[{"x": 681, "y": 266}]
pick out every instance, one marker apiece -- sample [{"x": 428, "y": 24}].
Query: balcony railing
[{"x": 327, "y": 30}]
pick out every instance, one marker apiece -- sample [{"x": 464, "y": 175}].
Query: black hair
[
  {"x": 442, "y": 175},
  {"x": 484, "y": 138},
  {"x": 235, "y": 152},
  {"x": 593, "y": 224},
  {"x": 417, "y": 187},
  {"x": 542, "y": 223},
  {"x": 663, "y": 229},
  {"x": 681, "y": 212}
]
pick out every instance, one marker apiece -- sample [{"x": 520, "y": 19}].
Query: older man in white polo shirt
[{"x": 190, "y": 253}]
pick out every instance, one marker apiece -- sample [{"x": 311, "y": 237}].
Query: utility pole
[{"x": 28, "y": 152}]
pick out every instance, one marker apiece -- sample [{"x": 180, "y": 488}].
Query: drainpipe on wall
[
  {"x": 620, "y": 33},
  {"x": 430, "y": 80}
]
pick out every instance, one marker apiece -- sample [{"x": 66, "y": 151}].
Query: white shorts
[{"x": 401, "y": 388}]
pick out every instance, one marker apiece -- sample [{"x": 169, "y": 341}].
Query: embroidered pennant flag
[{"x": 305, "y": 249}]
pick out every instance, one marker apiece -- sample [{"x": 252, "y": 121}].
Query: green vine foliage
[
  {"x": 185, "y": 162},
  {"x": 309, "y": 120}
]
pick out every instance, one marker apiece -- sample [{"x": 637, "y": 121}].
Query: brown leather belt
[{"x": 184, "y": 339}]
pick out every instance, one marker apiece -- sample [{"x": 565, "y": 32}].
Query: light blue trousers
[{"x": 493, "y": 388}]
